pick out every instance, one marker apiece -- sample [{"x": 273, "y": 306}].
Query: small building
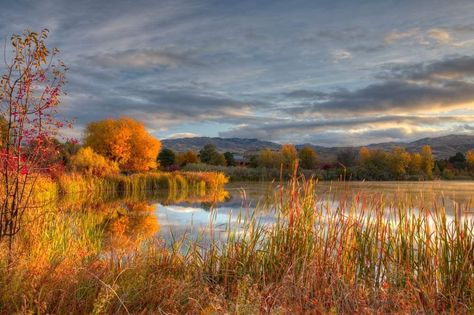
[{"x": 239, "y": 159}]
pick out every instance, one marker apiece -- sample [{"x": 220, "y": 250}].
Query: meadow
[{"x": 365, "y": 255}]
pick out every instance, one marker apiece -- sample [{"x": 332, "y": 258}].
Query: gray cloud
[
  {"x": 404, "y": 89},
  {"x": 261, "y": 69},
  {"x": 142, "y": 59},
  {"x": 278, "y": 128}
]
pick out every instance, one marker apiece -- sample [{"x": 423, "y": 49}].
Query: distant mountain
[
  {"x": 235, "y": 145},
  {"x": 443, "y": 147}
]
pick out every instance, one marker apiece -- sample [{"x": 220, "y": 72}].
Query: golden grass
[{"x": 361, "y": 256}]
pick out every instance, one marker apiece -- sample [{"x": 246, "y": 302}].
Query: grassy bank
[
  {"x": 364, "y": 256},
  {"x": 237, "y": 173},
  {"x": 128, "y": 185}
]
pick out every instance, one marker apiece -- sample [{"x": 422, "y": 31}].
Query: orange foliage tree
[
  {"x": 124, "y": 141},
  {"x": 187, "y": 157},
  {"x": 470, "y": 160}
]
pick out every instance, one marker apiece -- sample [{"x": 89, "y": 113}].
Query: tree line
[
  {"x": 113, "y": 146},
  {"x": 365, "y": 164}
]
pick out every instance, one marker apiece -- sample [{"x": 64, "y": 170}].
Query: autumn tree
[
  {"x": 124, "y": 141},
  {"x": 308, "y": 158},
  {"x": 414, "y": 167},
  {"x": 364, "y": 155},
  {"x": 166, "y": 158},
  {"x": 188, "y": 157},
  {"x": 3, "y": 131},
  {"x": 374, "y": 164},
  {"x": 399, "y": 162},
  {"x": 269, "y": 159},
  {"x": 30, "y": 91},
  {"x": 470, "y": 160},
  {"x": 427, "y": 161},
  {"x": 289, "y": 155},
  {"x": 87, "y": 162}
]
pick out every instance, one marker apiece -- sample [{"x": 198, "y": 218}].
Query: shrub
[{"x": 87, "y": 162}]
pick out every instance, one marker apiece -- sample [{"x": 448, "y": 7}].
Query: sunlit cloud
[
  {"x": 182, "y": 135},
  {"x": 240, "y": 69},
  {"x": 440, "y": 35}
]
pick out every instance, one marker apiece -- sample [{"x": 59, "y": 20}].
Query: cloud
[
  {"x": 308, "y": 126},
  {"x": 240, "y": 68},
  {"x": 394, "y": 36},
  {"x": 142, "y": 59},
  {"x": 306, "y": 94},
  {"x": 455, "y": 68},
  {"x": 182, "y": 135},
  {"x": 341, "y": 54},
  {"x": 434, "y": 87},
  {"x": 432, "y": 36},
  {"x": 364, "y": 130},
  {"x": 440, "y": 35}
]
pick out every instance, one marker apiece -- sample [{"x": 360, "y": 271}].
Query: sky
[{"x": 323, "y": 72}]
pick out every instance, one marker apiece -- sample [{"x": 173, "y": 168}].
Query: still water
[
  {"x": 170, "y": 217},
  {"x": 244, "y": 197}
]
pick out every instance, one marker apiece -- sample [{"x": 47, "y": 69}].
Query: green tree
[
  {"x": 218, "y": 159},
  {"x": 253, "y": 161},
  {"x": 308, "y": 158},
  {"x": 458, "y": 161},
  {"x": 209, "y": 155},
  {"x": 207, "y": 152},
  {"x": 166, "y": 158},
  {"x": 347, "y": 157},
  {"x": 229, "y": 158}
]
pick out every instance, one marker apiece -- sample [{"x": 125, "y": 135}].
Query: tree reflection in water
[{"x": 127, "y": 222}]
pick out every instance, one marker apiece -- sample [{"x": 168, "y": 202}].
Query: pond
[{"x": 172, "y": 216}]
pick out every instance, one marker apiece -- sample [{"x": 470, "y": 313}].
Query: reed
[{"x": 360, "y": 255}]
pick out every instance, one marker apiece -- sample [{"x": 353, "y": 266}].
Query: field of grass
[
  {"x": 128, "y": 185},
  {"x": 237, "y": 173},
  {"x": 363, "y": 256}
]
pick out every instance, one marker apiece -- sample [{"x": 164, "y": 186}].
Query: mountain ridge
[{"x": 443, "y": 146}]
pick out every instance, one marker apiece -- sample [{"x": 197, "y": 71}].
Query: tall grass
[
  {"x": 123, "y": 185},
  {"x": 360, "y": 255},
  {"x": 238, "y": 173}
]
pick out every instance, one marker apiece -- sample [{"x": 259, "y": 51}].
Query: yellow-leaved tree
[
  {"x": 427, "y": 161},
  {"x": 88, "y": 162},
  {"x": 470, "y": 161},
  {"x": 125, "y": 141}
]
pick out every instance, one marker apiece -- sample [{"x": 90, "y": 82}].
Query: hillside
[
  {"x": 236, "y": 145},
  {"x": 442, "y": 147}
]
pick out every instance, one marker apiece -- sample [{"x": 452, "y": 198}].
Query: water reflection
[{"x": 127, "y": 222}]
